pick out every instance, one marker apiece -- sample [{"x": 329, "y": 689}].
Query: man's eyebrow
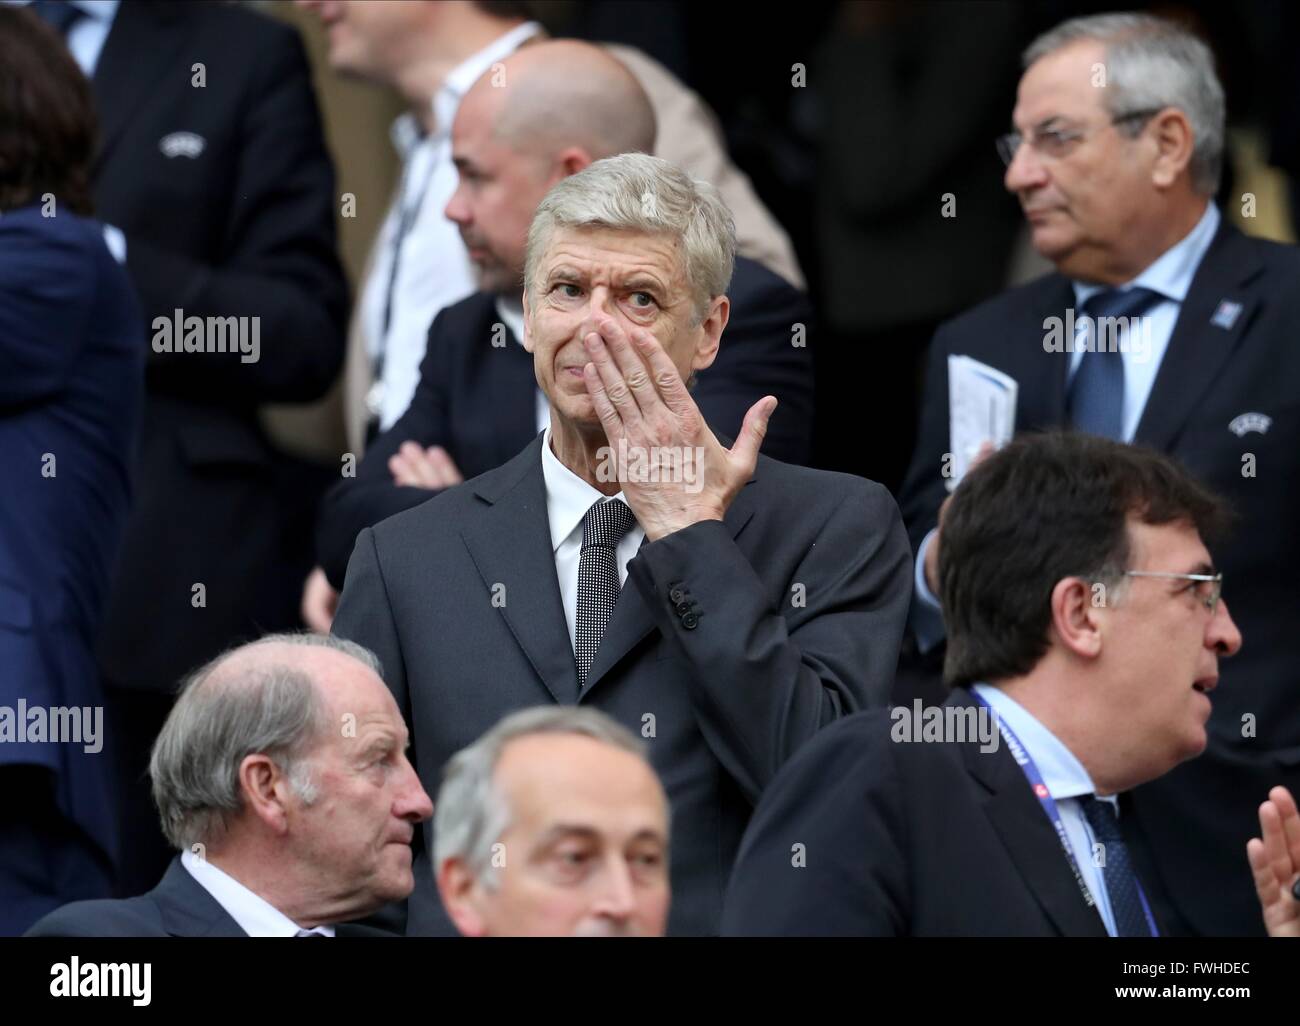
[
  {"x": 642, "y": 282},
  {"x": 560, "y": 831},
  {"x": 648, "y": 834},
  {"x": 563, "y": 271}
]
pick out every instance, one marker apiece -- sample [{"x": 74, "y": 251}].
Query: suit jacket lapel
[
  {"x": 1199, "y": 348},
  {"x": 632, "y": 620},
  {"x": 1041, "y": 397},
  {"x": 510, "y": 543},
  {"x": 143, "y": 39},
  {"x": 188, "y": 910},
  {"x": 1030, "y": 839}
]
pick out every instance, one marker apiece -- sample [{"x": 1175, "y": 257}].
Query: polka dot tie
[
  {"x": 1117, "y": 872},
  {"x": 602, "y": 529}
]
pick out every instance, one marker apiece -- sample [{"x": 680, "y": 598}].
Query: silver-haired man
[
  {"x": 281, "y": 775},
  {"x": 553, "y": 824},
  {"x": 762, "y": 601}
]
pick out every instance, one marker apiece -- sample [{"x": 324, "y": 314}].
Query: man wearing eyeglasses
[
  {"x": 1086, "y": 630},
  {"x": 1166, "y": 326}
]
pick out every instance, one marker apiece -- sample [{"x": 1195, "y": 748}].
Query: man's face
[
  {"x": 357, "y": 834},
  {"x": 1161, "y": 649},
  {"x": 635, "y": 278},
  {"x": 586, "y": 851},
  {"x": 497, "y": 195},
  {"x": 1083, "y": 197},
  {"x": 368, "y": 38}
]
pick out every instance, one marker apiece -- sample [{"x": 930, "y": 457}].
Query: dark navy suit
[{"x": 71, "y": 385}]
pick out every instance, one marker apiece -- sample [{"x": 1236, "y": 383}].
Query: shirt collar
[
  {"x": 1063, "y": 774},
  {"x": 511, "y": 312},
  {"x": 256, "y": 916},
  {"x": 1172, "y": 272},
  {"x": 568, "y": 497}
]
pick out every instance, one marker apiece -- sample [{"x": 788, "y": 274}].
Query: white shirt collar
[
  {"x": 568, "y": 497},
  {"x": 1063, "y": 774},
  {"x": 256, "y": 916},
  {"x": 1172, "y": 272},
  {"x": 511, "y": 311}
]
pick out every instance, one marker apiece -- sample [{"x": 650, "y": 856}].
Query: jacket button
[
  {"x": 690, "y": 621},
  {"x": 676, "y": 595},
  {"x": 683, "y": 608}
]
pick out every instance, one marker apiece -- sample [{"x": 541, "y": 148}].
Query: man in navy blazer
[
  {"x": 477, "y": 401},
  {"x": 1004, "y": 811},
  {"x": 1116, "y": 183},
  {"x": 281, "y": 776},
  {"x": 71, "y": 389},
  {"x": 723, "y": 605}
]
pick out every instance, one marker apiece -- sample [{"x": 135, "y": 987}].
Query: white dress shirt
[
  {"x": 433, "y": 268},
  {"x": 1066, "y": 781},
  {"x": 1171, "y": 275},
  {"x": 256, "y": 916},
  {"x": 568, "y": 497}
]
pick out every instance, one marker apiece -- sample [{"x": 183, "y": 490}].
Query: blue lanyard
[{"x": 1026, "y": 764}]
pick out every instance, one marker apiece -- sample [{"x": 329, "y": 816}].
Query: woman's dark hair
[
  {"x": 1047, "y": 507},
  {"x": 47, "y": 116}
]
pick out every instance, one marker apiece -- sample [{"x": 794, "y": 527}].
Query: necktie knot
[
  {"x": 1102, "y": 818},
  {"x": 1121, "y": 302},
  {"x": 606, "y": 523}
]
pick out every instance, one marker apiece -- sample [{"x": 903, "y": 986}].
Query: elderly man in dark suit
[
  {"x": 1085, "y": 632},
  {"x": 212, "y": 165},
  {"x": 477, "y": 403},
  {"x": 1115, "y": 156},
  {"x": 281, "y": 776},
  {"x": 71, "y": 390},
  {"x": 723, "y": 605}
]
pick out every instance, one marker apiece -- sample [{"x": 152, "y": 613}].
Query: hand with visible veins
[
  {"x": 1275, "y": 863},
  {"x": 642, "y": 401},
  {"x": 417, "y": 467}
]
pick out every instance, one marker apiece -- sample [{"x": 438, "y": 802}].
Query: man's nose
[
  {"x": 457, "y": 209},
  {"x": 412, "y": 802},
  {"x": 617, "y": 897},
  {"x": 1025, "y": 171},
  {"x": 1223, "y": 635}
]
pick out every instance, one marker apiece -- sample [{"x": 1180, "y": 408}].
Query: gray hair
[
  {"x": 471, "y": 813},
  {"x": 637, "y": 192},
  {"x": 269, "y": 707},
  {"x": 1152, "y": 63}
]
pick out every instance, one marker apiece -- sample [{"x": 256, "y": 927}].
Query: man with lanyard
[{"x": 1085, "y": 626}]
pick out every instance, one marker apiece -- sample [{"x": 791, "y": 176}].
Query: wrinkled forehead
[
  {"x": 615, "y": 253},
  {"x": 1068, "y": 84}
]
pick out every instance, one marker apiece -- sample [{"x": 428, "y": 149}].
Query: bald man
[
  {"x": 281, "y": 777},
  {"x": 545, "y": 113}
]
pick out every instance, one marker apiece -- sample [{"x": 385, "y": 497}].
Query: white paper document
[{"x": 981, "y": 408}]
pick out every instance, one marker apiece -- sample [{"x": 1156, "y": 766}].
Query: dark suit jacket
[
  {"x": 178, "y": 907},
  {"x": 240, "y": 222},
  {"x": 1209, "y": 376},
  {"x": 922, "y": 839},
  {"x": 476, "y": 400},
  {"x": 723, "y": 699},
  {"x": 71, "y": 388}
]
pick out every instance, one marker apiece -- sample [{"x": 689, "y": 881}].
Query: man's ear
[
  {"x": 528, "y": 324},
  {"x": 569, "y": 161},
  {"x": 1077, "y": 609},
  {"x": 265, "y": 790},
  {"x": 711, "y": 328},
  {"x": 1174, "y": 141},
  {"x": 458, "y": 890}
]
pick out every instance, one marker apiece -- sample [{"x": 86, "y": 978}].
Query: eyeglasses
[
  {"x": 1055, "y": 143},
  {"x": 1209, "y": 596}
]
